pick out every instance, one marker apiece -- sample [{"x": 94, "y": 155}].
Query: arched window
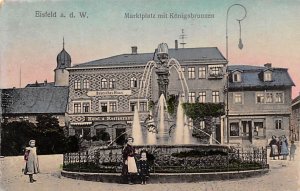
[
  {"x": 77, "y": 85},
  {"x": 104, "y": 83},
  {"x": 112, "y": 83},
  {"x": 133, "y": 82},
  {"x": 86, "y": 84}
]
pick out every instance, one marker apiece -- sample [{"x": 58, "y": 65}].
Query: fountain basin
[{"x": 170, "y": 159}]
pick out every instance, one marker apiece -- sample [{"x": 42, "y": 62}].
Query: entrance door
[{"x": 247, "y": 130}]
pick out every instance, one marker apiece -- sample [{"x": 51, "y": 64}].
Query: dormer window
[
  {"x": 236, "y": 77},
  {"x": 268, "y": 76}
]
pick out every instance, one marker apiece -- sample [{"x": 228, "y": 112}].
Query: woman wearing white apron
[{"x": 129, "y": 163}]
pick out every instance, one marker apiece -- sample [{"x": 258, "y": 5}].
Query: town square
[{"x": 133, "y": 96}]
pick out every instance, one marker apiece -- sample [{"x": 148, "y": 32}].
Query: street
[{"x": 283, "y": 175}]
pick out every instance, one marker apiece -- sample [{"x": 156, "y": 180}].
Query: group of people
[
  {"x": 134, "y": 164},
  {"x": 280, "y": 147}
]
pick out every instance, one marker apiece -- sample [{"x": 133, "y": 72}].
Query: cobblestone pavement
[{"x": 283, "y": 176}]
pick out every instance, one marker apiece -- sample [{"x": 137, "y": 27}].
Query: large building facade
[{"x": 103, "y": 93}]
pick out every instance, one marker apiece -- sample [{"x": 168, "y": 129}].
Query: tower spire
[{"x": 63, "y": 42}]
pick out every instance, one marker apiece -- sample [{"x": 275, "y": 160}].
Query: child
[
  {"x": 143, "y": 167},
  {"x": 32, "y": 165},
  {"x": 292, "y": 150}
]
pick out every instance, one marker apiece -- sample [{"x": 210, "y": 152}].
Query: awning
[{"x": 81, "y": 123}]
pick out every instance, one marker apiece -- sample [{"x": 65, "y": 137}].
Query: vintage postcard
[{"x": 145, "y": 95}]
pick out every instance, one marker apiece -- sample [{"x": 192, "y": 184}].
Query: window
[
  {"x": 238, "y": 98},
  {"x": 107, "y": 106},
  {"x": 104, "y": 83},
  {"x": 215, "y": 71},
  {"x": 86, "y": 107},
  {"x": 278, "y": 97},
  {"x": 112, "y": 106},
  {"x": 236, "y": 77},
  {"x": 103, "y": 107},
  {"x": 202, "y": 97},
  {"x": 132, "y": 106},
  {"x": 77, "y": 107},
  {"x": 202, "y": 72},
  {"x": 112, "y": 83},
  {"x": 181, "y": 75},
  {"x": 202, "y": 124},
  {"x": 191, "y": 72},
  {"x": 258, "y": 128},
  {"x": 133, "y": 82},
  {"x": 260, "y": 98},
  {"x": 143, "y": 106},
  {"x": 86, "y": 84},
  {"x": 77, "y": 85},
  {"x": 269, "y": 97},
  {"x": 234, "y": 129},
  {"x": 267, "y": 76},
  {"x": 278, "y": 124},
  {"x": 216, "y": 97},
  {"x": 192, "y": 96}
]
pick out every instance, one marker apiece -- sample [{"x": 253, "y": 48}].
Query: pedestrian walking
[
  {"x": 284, "y": 151},
  {"x": 274, "y": 147},
  {"x": 143, "y": 167},
  {"x": 129, "y": 169},
  {"x": 32, "y": 164},
  {"x": 292, "y": 150}
]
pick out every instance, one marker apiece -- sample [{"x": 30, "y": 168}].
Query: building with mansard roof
[{"x": 259, "y": 104}]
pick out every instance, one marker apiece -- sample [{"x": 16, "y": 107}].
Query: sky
[{"x": 29, "y": 44}]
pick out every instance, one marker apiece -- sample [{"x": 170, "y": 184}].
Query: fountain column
[
  {"x": 162, "y": 69},
  {"x": 162, "y": 72}
]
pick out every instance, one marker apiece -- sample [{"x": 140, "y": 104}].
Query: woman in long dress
[
  {"x": 129, "y": 163},
  {"x": 274, "y": 147},
  {"x": 284, "y": 148},
  {"x": 32, "y": 165}
]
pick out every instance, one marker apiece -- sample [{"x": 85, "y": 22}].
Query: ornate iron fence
[{"x": 166, "y": 160}]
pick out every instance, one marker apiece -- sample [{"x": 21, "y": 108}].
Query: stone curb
[{"x": 166, "y": 177}]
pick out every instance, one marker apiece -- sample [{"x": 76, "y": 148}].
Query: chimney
[
  {"x": 268, "y": 65},
  {"x": 176, "y": 44},
  {"x": 134, "y": 50},
  {"x": 45, "y": 82}
]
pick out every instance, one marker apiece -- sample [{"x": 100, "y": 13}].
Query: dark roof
[
  {"x": 35, "y": 100},
  {"x": 251, "y": 77},
  {"x": 36, "y": 84},
  {"x": 186, "y": 54},
  {"x": 63, "y": 59}
]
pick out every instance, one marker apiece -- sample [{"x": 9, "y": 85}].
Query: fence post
[
  {"x": 79, "y": 158},
  {"x": 238, "y": 160}
]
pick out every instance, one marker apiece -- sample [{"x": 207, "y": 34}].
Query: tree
[
  {"x": 15, "y": 137},
  {"x": 203, "y": 112},
  {"x": 51, "y": 139}
]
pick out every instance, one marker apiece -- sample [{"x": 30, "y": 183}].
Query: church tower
[{"x": 61, "y": 75}]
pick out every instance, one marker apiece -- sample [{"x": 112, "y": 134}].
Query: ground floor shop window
[
  {"x": 234, "y": 129},
  {"x": 259, "y": 128}
]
